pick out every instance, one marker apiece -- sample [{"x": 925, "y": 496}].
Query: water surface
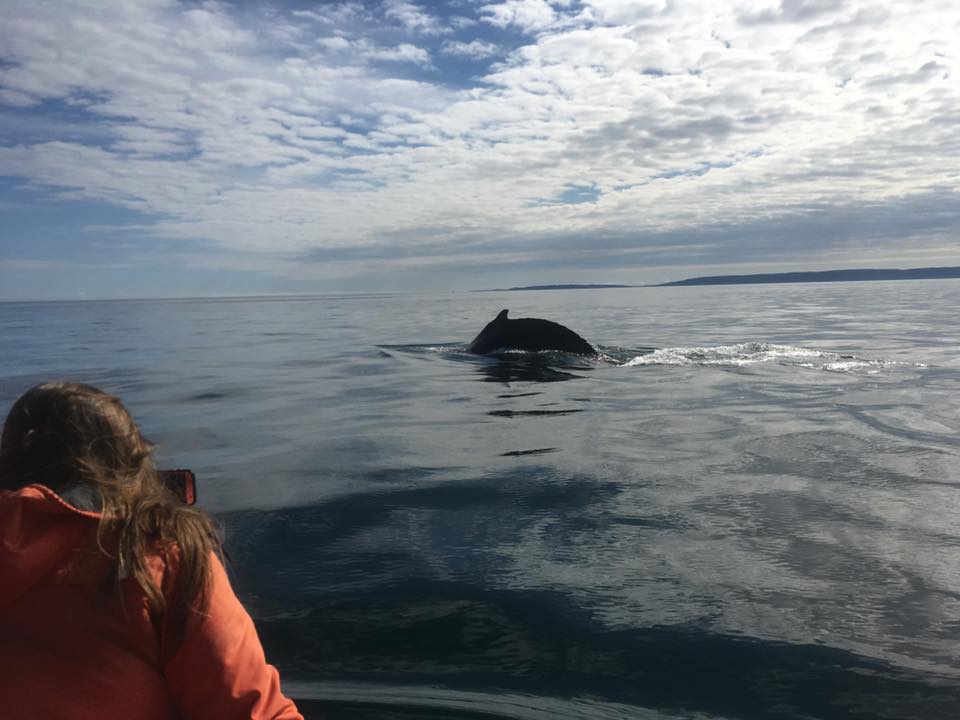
[{"x": 746, "y": 507}]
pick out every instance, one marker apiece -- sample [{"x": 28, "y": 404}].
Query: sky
[{"x": 153, "y": 148}]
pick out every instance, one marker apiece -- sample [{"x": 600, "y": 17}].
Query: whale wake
[{"x": 750, "y": 353}]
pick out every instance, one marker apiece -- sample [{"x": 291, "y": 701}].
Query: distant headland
[
  {"x": 859, "y": 275},
  {"x": 856, "y": 275}
]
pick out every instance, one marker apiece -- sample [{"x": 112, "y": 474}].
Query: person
[{"x": 114, "y": 601}]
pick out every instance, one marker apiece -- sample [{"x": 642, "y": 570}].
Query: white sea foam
[{"x": 755, "y": 352}]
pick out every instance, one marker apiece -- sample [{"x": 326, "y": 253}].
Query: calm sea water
[{"x": 748, "y": 507}]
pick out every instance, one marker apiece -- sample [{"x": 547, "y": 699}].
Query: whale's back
[
  {"x": 534, "y": 334},
  {"x": 530, "y": 334}
]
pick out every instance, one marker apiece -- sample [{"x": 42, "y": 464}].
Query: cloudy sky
[{"x": 155, "y": 147}]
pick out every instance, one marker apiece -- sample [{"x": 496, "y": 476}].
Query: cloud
[
  {"x": 473, "y": 49},
  {"x": 413, "y": 17},
  {"x": 794, "y": 11},
  {"x": 401, "y": 53},
  {"x": 337, "y": 16},
  {"x": 142, "y": 140},
  {"x": 627, "y": 12},
  {"x": 607, "y": 126},
  {"x": 526, "y": 15},
  {"x": 929, "y": 71}
]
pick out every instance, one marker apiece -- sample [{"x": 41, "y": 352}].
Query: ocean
[{"x": 748, "y": 506}]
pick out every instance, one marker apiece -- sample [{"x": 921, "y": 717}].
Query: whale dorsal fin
[{"x": 501, "y": 316}]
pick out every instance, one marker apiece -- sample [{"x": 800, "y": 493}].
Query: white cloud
[
  {"x": 626, "y": 12},
  {"x": 459, "y": 22},
  {"x": 474, "y": 48},
  {"x": 401, "y": 53},
  {"x": 683, "y": 116},
  {"x": 335, "y": 43},
  {"x": 527, "y": 15},
  {"x": 334, "y": 14},
  {"x": 143, "y": 140},
  {"x": 794, "y": 11},
  {"x": 15, "y": 98},
  {"x": 413, "y": 17}
]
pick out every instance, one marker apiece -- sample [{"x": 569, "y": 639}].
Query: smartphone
[{"x": 183, "y": 483}]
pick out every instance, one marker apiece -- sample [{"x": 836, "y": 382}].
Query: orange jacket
[{"x": 73, "y": 647}]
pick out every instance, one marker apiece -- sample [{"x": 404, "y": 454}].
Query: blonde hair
[{"x": 62, "y": 435}]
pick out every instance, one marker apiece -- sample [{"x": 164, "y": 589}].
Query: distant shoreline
[{"x": 857, "y": 275}]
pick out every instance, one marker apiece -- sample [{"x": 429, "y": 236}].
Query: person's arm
[{"x": 220, "y": 671}]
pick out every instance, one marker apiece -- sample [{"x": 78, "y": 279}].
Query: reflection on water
[
  {"x": 525, "y": 367},
  {"x": 756, "y": 519},
  {"x": 535, "y": 451},
  {"x": 522, "y": 413},
  {"x": 405, "y": 702},
  {"x": 442, "y": 628}
]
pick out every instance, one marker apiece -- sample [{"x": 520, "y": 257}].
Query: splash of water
[{"x": 750, "y": 353}]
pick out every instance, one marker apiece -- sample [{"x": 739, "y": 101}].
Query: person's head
[{"x": 62, "y": 434}]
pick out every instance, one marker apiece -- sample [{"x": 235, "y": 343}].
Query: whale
[{"x": 531, "y": 334}]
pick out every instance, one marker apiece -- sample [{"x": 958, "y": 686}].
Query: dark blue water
[{"x": 747, "y": 507}]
